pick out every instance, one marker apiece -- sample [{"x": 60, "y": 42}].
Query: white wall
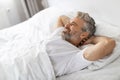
[
  {"x": 14, "y": 11},
  {"x": 4, "y": 21},
  {"x": 11, "y": 13}
]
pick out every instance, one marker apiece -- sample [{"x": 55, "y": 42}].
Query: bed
[{"x": 22, "y": 52}]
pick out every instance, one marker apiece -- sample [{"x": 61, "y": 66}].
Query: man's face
[{"x": 73, "y": 29}]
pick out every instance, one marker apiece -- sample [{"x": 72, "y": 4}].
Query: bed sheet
[{"x": 110, "y": 72}]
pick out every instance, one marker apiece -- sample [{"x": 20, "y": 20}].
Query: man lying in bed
[{"x": 64, "y": 45}]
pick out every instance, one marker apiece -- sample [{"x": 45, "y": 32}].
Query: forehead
[{"x": 78, "y": 21}]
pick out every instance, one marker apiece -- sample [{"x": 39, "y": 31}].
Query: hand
[
  {"x": 65, "y": 19},
  {"x": 62, "y": 21}
]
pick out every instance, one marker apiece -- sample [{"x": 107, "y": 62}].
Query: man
[{"x": 64, "y": 45}]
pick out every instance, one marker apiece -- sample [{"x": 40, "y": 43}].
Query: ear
[{"x": 84, "y": 35}]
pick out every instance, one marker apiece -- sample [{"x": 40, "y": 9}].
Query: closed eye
[{"x": 73, "y": 24}]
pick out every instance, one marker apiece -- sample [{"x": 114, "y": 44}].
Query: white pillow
[{"x": 107, "y": 29}]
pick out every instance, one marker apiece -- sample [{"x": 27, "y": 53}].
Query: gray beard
[{"x": 66, "y": 37}]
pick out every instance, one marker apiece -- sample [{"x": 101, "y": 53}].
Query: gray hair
[{"x": 89, "y": 25}]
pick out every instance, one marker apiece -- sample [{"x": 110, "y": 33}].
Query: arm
[
  {"x": 62, "y": 21},
  {"x": 102, "y": 46}
]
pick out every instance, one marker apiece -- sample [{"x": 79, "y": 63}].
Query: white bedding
[
  {"x": 110, "y": 72},
  {"x": 25, "y": 62},
  {"x": 22, "y": 56}
]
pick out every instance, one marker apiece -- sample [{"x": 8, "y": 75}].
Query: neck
[{"x": 75, "y": 42}]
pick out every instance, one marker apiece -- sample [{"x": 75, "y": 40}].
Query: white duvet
[
  {"x": 25, "y": 62},
  {"x": 23, "y": 56},
  {"x": 22, "y": 52}
]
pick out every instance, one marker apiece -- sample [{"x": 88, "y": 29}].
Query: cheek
[
  {"x": 76, "y": 34},
  {"x": 75, "y": 28},
  {"x": 72, "y": 32}
]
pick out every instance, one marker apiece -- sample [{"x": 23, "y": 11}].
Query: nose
[{"x": 67, "y": 26}]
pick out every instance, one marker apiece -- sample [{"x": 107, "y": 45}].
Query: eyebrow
[{"x": 74, "y": 23}]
